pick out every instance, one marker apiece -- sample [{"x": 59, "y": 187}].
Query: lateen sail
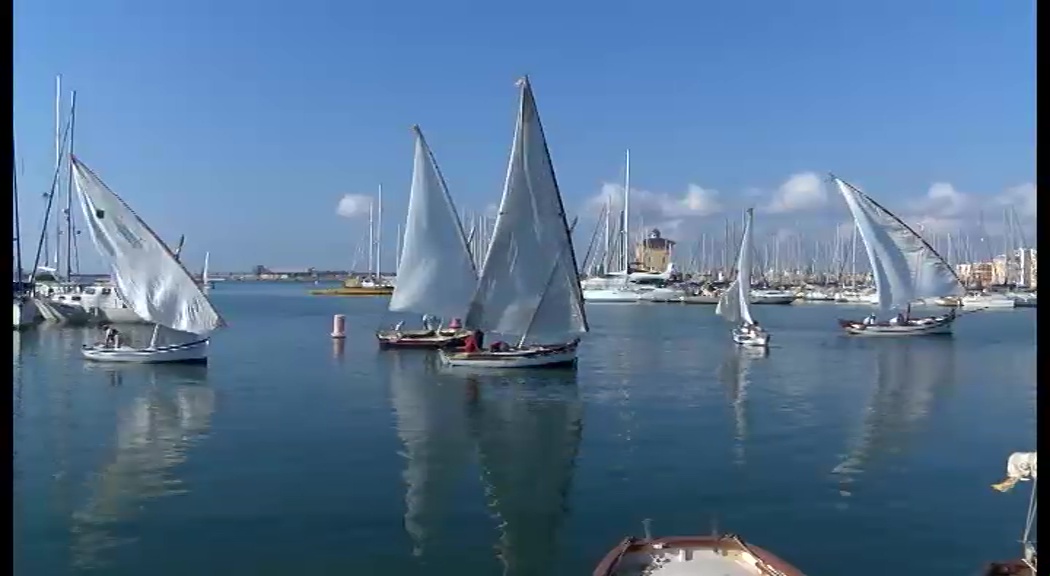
[
  {"x": 733, "y": 304},
  {"x": 146, "y": 274},
  {"x": 436, "y": 273},
  {"x": 529, "y": 283},
  {"x": 905, "y": 267}
]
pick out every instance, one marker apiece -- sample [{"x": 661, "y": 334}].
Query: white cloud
[
  {"x": 1022, "y": 198},
  {"x": 802, "y": 191},
  {"x": 942, "y": 200},
  {"x": 353, "y": 205},
  {"x": 654, "y": 206}
]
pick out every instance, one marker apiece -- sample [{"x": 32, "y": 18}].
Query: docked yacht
[{"x": 82, "y": 303}]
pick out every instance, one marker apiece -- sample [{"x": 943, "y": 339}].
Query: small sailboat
[
  {"x": 149, "y": 277},
  {"x": 435, "y": 274},
  {"x": 714, "y": 555},
  {"x": 1020, "y": 467},
  {"x": 734, "y": 304},
  {"x": 905, "y": 267},
  {"x": 529, "y": 284}
]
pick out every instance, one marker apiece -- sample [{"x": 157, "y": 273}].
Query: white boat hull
[
  {"x": 24, "y": 313},
  {"x": 603, "y": 295},
  {"x": 190, "y": 352},
  {"x": 760, "y": 340},
  {"x": 530, "y": 357},
  {"x": 937, "y": 325}
]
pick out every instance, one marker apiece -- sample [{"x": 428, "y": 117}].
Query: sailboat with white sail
[
  {"x": 149, "y": 277},
  {"x": 734, "y": 304},
  {"x": 529, "y": 283},
  {"x": 435, "y": 273},
  {"x": 905, "y": 268}
]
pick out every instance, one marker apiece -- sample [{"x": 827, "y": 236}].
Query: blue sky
[{"x": 243, "y": 123}]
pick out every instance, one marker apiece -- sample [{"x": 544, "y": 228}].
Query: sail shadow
[
  {"x": 527, "y": 434},
  {"x": 431, "y": 421},
  {"x": 734, "y": 373},
  {"x": 909, "y": 375}
]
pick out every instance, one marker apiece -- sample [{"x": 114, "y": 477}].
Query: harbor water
[{"x": 293, "y": 453}]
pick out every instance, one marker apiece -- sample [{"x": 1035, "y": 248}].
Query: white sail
[
  {"x": 147, "y": 275},
  {"x": 733, "y": 304},
  {"x": 436, "y": 273},
  {"x": 905, "y": 267},
  {"x": 529, "y": 284}
]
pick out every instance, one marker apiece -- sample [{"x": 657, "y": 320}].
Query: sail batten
[
  {"x": 146, "y": 274},
  {"x": 517, "y": 292},
  {"x": 905, "y": 267},
  {"x": 435, "y": 273}
]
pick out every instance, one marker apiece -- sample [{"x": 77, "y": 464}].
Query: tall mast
[
  {"x": 69, "y": 187},
  {"x": 18, "y": 225},
  {"x": 379, "y": 234},
  {"x": 626, "y": 213},
  {"x": 371, "y": 239},
  {"x": 58, "y": 164}
]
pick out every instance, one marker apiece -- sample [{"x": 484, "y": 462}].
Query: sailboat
[
  {"x": 148, "y": 276},
  {"x": 905, "y": 267},
  {"x": 435, "y": 273},
  {"x": 734, "y": 305},
  {"x": 529, "y": 284},
  {"x": 1020, "y": 467}
]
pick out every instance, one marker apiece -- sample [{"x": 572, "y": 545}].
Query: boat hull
[
  {"x": 936, "y": 325},
  {"x": 24, "y": 313},
  {"x": 188, "y": 353},
  {"x": 760, "y": 340},
  {"x": 607, "y": 295},
  {"x": 555, "y": 356},
  {"x": 778, "y": 299},
  {"x": 726, "y": 554},
  {"x": 420, "y": 340}
]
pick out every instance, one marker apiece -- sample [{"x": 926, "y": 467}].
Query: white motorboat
[
  {"x": 905, "y": 267},
  {"x": 773, "y": 297},
  {"x": 148, "y": 276},
  {"x": 542, "y": 300},
  {"x": 990, "y": 300},
  {"x": 733, "y": 304}
]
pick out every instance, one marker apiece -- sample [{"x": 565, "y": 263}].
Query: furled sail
[
  {"x": 436, "y": 273},
  {"x": 146, "y": 274},
  {"x": 529, "y": 284},
  {"x": 905, "y": 267},
  {"x": 733, "y": 304},
  {"x": 1020, "y": 467}
]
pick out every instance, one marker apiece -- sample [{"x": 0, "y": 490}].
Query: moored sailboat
[
  {"x": 149, "y": 277},
  {"x": 529, "y": 284},
  {"x": 733, "y": 305},
  {"x": 435, "y": 274},
  {"x": 905, "y": 268}
]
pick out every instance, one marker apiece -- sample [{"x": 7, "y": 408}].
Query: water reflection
[
  {"x": 431, "y": 423},
  {"x": 909, "y": 373},
  {"x": 154, "y": 434},
  {"x": 734, "y": 372},
  {"x": 528, "y": 430}
]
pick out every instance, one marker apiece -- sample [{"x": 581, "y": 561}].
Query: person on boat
[
  {"x": 455, "y": 324},
  {"x": 429, "y": 323},
  {"x": 479, "y": 339},
  {"x": 870, "y": 320},
  {"x": 112, "y": 339},
  {"x": 500, "y": 346},
  {"x": 471, "y": 342}
]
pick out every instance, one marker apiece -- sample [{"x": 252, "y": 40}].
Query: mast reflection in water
[
  {"x": 909, "y": 376},
  {"x": 528, "y": 430},
  {"x": 154, "y": 434},
  {"x": 734, "y": 372}
]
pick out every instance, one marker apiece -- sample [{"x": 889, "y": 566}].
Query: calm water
[{"x": 287, "y": 455}]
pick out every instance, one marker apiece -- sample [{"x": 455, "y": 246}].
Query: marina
[{"x": 657, "y": 333}]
